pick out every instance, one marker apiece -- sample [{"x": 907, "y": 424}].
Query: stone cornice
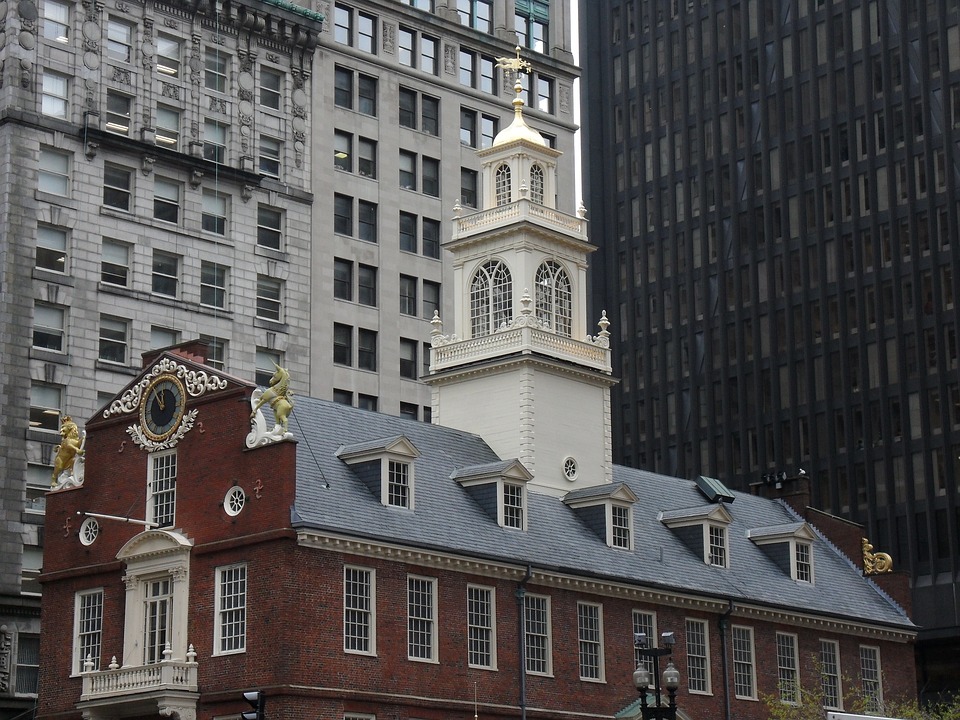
[{"x": 544, "y": 577}]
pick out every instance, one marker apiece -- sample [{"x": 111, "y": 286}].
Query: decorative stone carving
[
  {"x": 169, "y": 91},
  {"x": 449, "y": 59},
  {"x": 196, "y": 382},
  {"x": 389, "y": 38},
  {"x": 6, "y": 648}
]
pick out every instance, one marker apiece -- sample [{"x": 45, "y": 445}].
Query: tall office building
[
  {"x": 276, "y": 179},
  {"x": 774, "y": 187}
]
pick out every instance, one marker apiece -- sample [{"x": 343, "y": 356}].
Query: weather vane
[{"x": 514, "y": 65}]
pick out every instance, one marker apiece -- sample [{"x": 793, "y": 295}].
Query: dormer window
[
  {"x": 790, "y": 546},
  {"x": 607, "y": 510},
  {"x": 536, "y": 184},
  {"x": 386, "y": 467},
  {"x": 500, "y": 489},
  {"x": 503, "y": 184},
  {"x": 704, "y": 530},
  {"x": 554, "y": 298}
]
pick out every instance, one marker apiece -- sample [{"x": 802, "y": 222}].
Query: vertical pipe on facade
[
  {"x": 522, "y": 646},
  {"x": 722, "y": 624}
]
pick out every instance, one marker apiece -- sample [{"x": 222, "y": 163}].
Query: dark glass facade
[{"x": 773, "y": 186}]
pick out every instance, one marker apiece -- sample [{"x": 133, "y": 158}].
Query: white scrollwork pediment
[
  {"x": 196, "y": 382},
  {"x": 136, "y": 432}
]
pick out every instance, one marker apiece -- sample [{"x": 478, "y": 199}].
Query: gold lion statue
[{"x": 68, "y": 449}]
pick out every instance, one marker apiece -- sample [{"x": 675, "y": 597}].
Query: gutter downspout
[
  {"x": 723, "y": 625},
  {"x": 521, "y": 642}
]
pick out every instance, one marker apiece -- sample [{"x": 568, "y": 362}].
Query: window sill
[
  {"x": 116, "y": 367},
  {"x": 43, "y": 436},
  {"x": 272, "y": 325},
  {"x": 271, "y": 253},
  {"x": 51, "y": 276},
  {"x": 61, "y": 200},
  {"x": 50, "y": 356}
]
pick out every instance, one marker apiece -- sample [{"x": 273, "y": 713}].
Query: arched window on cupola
[
  {"x": 554, "y": 298},
  {"x": 491, "y": 298},
  {"x": 503, "y": 184},
  {"x": 536, "y": 184}
]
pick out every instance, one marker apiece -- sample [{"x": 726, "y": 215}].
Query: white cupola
[{"x": 521, "y": 369}]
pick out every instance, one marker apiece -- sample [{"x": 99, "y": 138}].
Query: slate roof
[{"x": 445, "y": 518}]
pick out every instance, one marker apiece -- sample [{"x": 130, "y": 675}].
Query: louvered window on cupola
[
  {"x": 503, "y": 184},
  {"x": 386, "y": 467}
]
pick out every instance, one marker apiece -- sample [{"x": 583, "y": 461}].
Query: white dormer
[
  {"x": 520, "y": 364},
  {"x": 608, "y": 511},
  {"x": 500, "y": 489},
  {"x": 790, "y": 546},
  {"x": 386, "y": 467},
  {"x": 704, "y": 530}
]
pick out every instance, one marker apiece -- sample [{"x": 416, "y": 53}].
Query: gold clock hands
[{"x": 159, "y": 396}]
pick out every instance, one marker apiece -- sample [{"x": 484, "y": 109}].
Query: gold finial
[{"x": 875, "y": 563}]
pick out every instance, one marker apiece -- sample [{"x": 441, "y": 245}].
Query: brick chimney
[
  {"x": 795, "y": 491},
  {"x": 195, "y": 350}
]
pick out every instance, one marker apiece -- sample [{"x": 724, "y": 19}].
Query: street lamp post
[{"x": 670, "y": 680}]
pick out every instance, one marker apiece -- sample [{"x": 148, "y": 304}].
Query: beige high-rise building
[{"x": 276, "y": 179}]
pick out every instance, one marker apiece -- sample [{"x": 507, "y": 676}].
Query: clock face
[{"x": 162, "y": 407}]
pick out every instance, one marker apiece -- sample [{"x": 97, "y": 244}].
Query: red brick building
[{"x": 358, "y": 566}]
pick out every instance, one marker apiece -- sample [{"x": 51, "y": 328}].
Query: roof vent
[{"x": 714, "y": 490}]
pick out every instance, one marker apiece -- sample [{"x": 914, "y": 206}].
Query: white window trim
[
  {"x": 434, "y": 620},
  {"x": 726, "y": 543},
  {"x": 74, "y": 670},
  {"x": 218, "y": 611},
  {"x": 836, "y": 654},
  {"x": 794, "y": 571},
  {"x": 373, "y": 610},
  {"x": 753, "y": 663},
  {"x": 629, "y": 509},
  {"x": 879, "y": 679},
  {"x": 385, "y": 480},
  {"x": 796, "y": 667},
  {"x": 493, "y": 626},
  {"x": 651, "y": 638},
  {"x": 706, "y": 644},
  {"x": 501, "y": 507},
  {"x": 602, "y": 678},
  {"x": 549, "y": 650},
  {"x": 152, "y": 458}
]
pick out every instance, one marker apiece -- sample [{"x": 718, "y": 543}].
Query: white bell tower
[{"x": 520, "y": 369}]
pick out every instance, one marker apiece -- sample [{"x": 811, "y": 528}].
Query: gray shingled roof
[{"x": 446, "y": 518}]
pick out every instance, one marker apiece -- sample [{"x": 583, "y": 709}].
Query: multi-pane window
[
  {"x": 366, "y": 282},
  {"x": 215, "y": 70},
  {"x": 554, "y": 301},
  {"x": 408, "y": 170},
  {"x": 468, "y": 187},
  {"x": 161, "y": 337},
  {"x": 117, "y": 187},
  {"x": 345, "y": 80},
  {"x": 481, "y": 639},
  {"x": 478, "y": 71},
  {"x": 28, "y": 664},
  {"x": 366, "y": 94},
  {"x": 214, "y": 141},
  {"x": 343, "y": 24},
  {"x": 367, "y": 33},
  {"x": 271, "y": 154},
  {"x": 118, "y": 113},
  {"x": 417, "y": 51},
  {"x": 45, "y": 403},
  {"x": 408, "y": 295},
  {"x": 408, "y": 232},
  {"x": 367, "y": 221},
  {"x": 54, "y": 97},
  {"x": 216, "y": 351},
  {"x": 359, "y": 629},
  {"x": 513, "y": 504},
  {"x": 698, "y": 656},
  {"x": 532, "y": 19},
  {"x": 645, "y": 623},
  {"x": 419, "y": 112},
  {"x": 830, "y": 673},
  {"x": 502, "y": 189},
  {"x": 430, "y": 234},
  {"x": 88, "y": 623},
  {"x": 620, "y": 527},
  {"x": 803, "y": 561},
  {"x": 421, "y": 618},
  {"x": 367, "y": 349},
  {"x": 51, "y": 249},
  {"x": 213, "y": 285},
  {"x": 53, "y": 174},
  {"x": 269, "y": 298},
  {"x": 717, "y": 545},
  {"x": 367, "y": 285},
  {"x": 48, "y": 327},
  {"x": 157, "y": 619},
  {"x": 162, "y": 497},
  {"x": 477, "y": 129},
  {"x": 536, "y": 633},
  {"x": 271, "y": 88},
  {"x": 536, "y": 184},
  {"x": 343, "y": 151},
  {"x": 119, "y": 40},
  {"x": 346, "y": 22},
  {"x": 744, "y": 671},
  {"x": 343, "y": 87},
  {"x": 167, "y": 133},
  {"x": 56, "y": 21},
  {"x": 590, "y": 637},
  {"x": 166, "y": 200},
  {"x": 168, "y": 56},
  {"x": 477, "y": 14},
  {"x": 870, "y": 678},
  {"x": 367, "y": 157},
  {"x": 114, "y": 336},
  {"x": 491, "y": 298},
  {"x": 788, "y": 680},
  {"x": 408, "y": 358},
  {"x": 343, "y": 214},
  {"x": 269, "y": 227},
  {"x": 213, "y": 218},
  {"x": 115, "y": 263},
  {"x": 398, "y": 483},
  {"x": 266, "y": 361},
  {"x": 342, "y": 279},
  {"x": 468, "y": 127},
  {"x": 166, "y": 273},
  {"x": 431, "y": 299},
  {"x": 231, "y": 603}
]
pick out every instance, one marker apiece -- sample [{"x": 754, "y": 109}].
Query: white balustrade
[{"x": 167, "y": 675}]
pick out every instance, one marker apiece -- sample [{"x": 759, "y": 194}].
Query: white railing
[
  {"x": 523, "y": 339},
  {"x": 168, "y": 675},
  {"x": 520, "y": 210}
]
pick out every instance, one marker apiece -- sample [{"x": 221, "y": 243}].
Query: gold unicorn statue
[
  {"x": 278, "y": 396},
  {"x": 69, "y": 448}
]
